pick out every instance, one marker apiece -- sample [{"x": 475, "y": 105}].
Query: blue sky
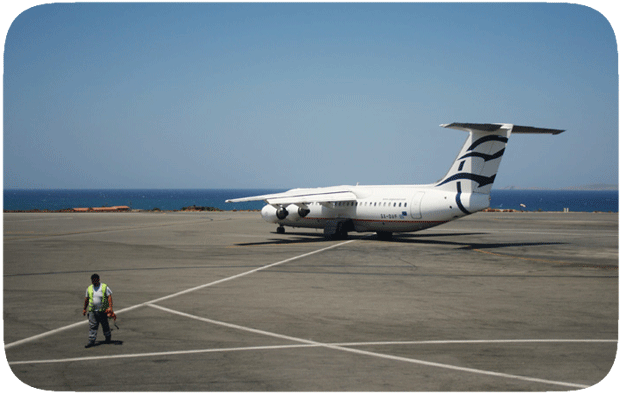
[{"x": 303, "y": 95}]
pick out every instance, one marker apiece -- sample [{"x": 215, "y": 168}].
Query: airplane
[{"x": 389, "y": 209}]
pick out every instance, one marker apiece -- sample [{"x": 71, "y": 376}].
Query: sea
[{"x": 177, "y": 199}]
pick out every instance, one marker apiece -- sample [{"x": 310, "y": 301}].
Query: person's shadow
[{"x": 99, "y": 343}]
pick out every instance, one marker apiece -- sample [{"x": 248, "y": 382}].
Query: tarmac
[{"x": 218, "y": 301}]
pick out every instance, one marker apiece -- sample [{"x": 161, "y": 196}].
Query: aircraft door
[{"x": 416, "y": 201}]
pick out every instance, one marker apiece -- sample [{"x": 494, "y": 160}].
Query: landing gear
[
  {"x": 338, "y": 229},
  {"x": 384, "y": 235},
  {"x": 342, "y": 231},
  {"x": 280, "y": 230}
]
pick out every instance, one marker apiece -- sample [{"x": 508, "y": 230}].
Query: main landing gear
[
  {"x": 280, "y": 230},
  {"x": 338, "y": 229}
]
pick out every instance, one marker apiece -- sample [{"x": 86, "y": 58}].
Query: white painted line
[
  {"x": 461, "y": 369},
  {"x": 342, "y": 347},
  {"x": 45, "y": 334},
  {"x": 57, "y": 330},
  {"x": 158, "y": 354},
  {"x": 297, "y": 346},
  {"x": 475, "y": 341},
  {"x": 373, "y": 354},
  {"x": 237, "y": 327},
  {"x": 244, "y": 273}
]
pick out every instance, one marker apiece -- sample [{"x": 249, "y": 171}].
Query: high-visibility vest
[{"x": 104, "y": 302}]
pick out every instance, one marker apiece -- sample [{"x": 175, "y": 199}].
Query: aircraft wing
[{"x": 303, "y": 196}]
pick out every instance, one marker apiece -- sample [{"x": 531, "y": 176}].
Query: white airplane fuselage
[{"x": 403, "y": 208}]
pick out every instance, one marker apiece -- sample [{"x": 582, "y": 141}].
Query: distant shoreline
[
  {"x": 217, "y": 210},
  {"x": 585, "y": 188},
  {"x": 214, "y": 200},
  {"x": 589, "y": 188}
]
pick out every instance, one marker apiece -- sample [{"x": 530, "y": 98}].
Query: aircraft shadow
[
  {"x": 427, "y": 239},
  {"x": 420, "y": 239},
  {"x": 430, "y": 235},
  {"x": 290, "y": 238}
]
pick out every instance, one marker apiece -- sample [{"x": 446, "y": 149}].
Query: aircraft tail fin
[{"x": 476, "y": 165}]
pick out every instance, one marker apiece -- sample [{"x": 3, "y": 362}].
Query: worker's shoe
[
  {"x": 90, "y": 344},
  {"x": 108, "y": 339}
]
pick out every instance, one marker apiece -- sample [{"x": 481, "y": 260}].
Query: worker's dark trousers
[{"x": 94, "y": 318}]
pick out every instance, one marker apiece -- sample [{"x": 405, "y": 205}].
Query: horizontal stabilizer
[
  {"x": 535, "y": 130},
  {"x": 491, "y": 127}
]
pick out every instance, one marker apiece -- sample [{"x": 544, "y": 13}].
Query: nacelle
[{"x": 291, "y": 212}]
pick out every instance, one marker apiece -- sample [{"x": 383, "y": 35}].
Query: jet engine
[
  {"x": 303, "y": 211},
  {"x": 290, "y": 213},
  {"x": 281, "y": 213}
]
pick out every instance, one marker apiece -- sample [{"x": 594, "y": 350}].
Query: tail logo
[
  {"x": 486, "y": 157},
  {"x": 458, "y": 199},
  {"x": 487, "y": 138},
  {"x": 480, "y": 179}
]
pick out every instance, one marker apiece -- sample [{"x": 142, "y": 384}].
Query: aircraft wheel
[{"x": 280, "y": 230}]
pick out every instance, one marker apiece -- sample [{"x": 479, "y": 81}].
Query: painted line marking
[
  {"x": 367, "y": 353},
  {"x": 158, "y": 354},
  {"x": 475, "y": 341},
  {"x": 340, "y": 347},
  {"x": 299, "y": 345},
  {"x": 48, "y": 333}
]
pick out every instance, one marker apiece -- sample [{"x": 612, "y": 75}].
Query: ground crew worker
[{"x": 98, "y": 303}]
